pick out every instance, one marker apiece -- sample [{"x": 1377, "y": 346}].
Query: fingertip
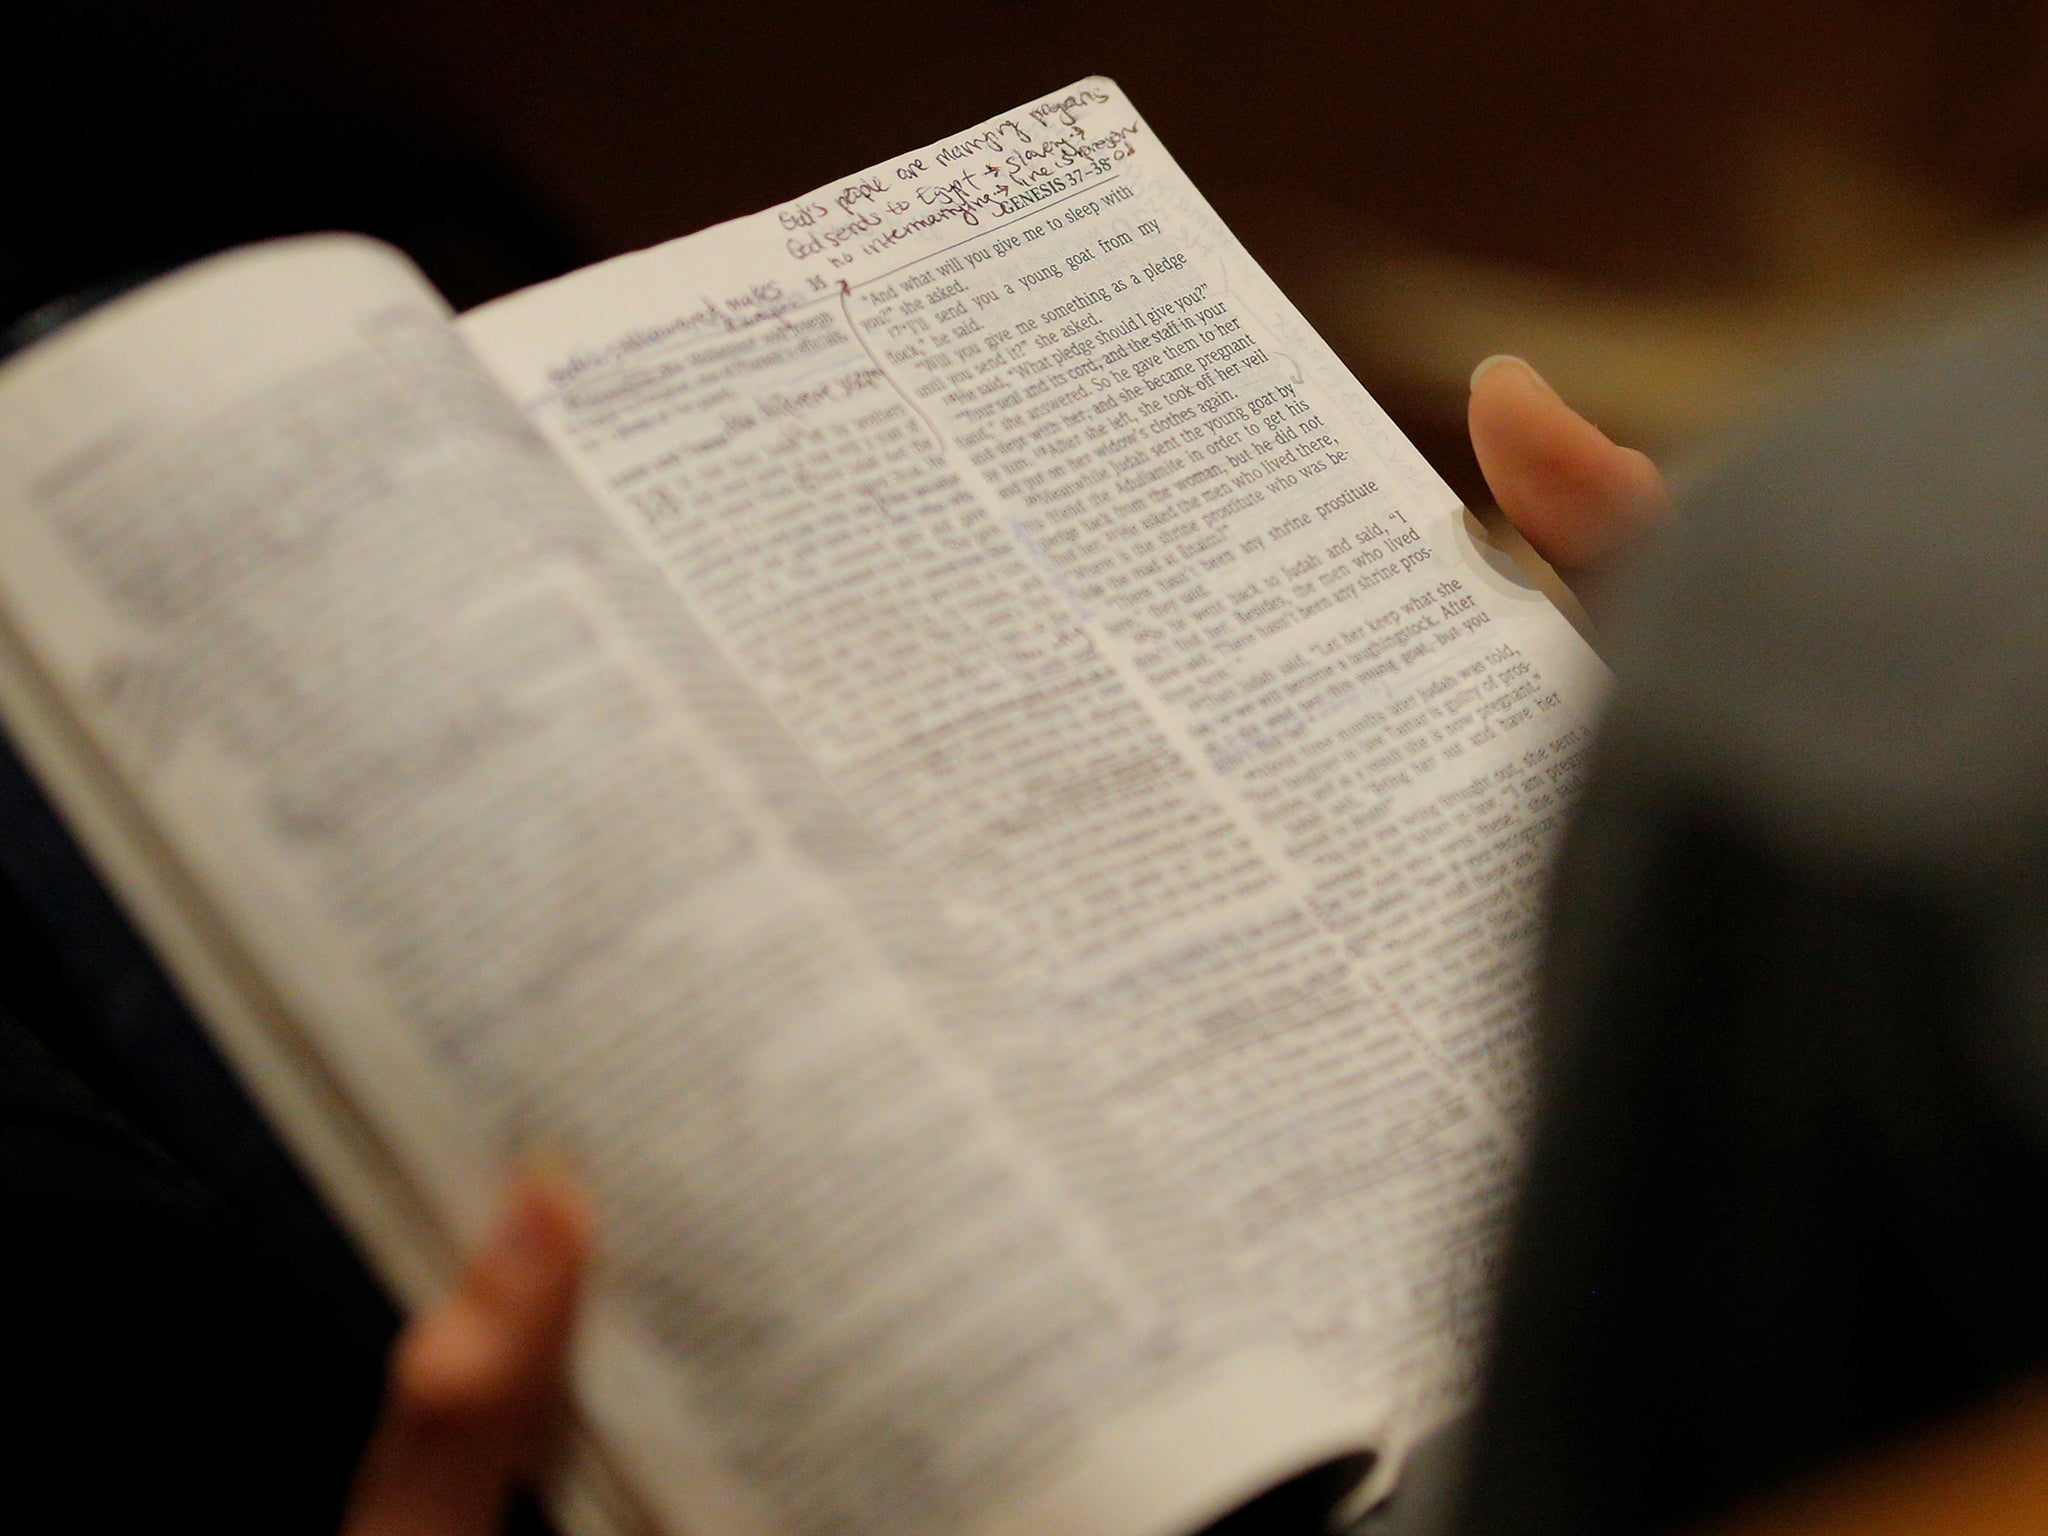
[
  {"x": 509, "y": 1317},
  {"x": 546, "y": 1216},
  {"x": 1651, "y": 495},
  {"x": 1508, "y": 361},
  {"x": 1574, "y": 494},
  {"x": 561, "y": 1192},
  {"x": 533, "y": 1262},
  {"x": 1509, "y": 401},
  {"x": 475, "y": 1381}
]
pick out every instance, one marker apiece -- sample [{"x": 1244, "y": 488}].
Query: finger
[
  {"x": 474, "y": 1383},
  {"x": 1574, "y": 495}
]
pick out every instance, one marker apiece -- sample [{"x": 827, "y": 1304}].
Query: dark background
[{"x": 1671, "y": 208}]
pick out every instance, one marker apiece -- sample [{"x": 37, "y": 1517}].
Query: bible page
[
  {"x": 1096, "y": 587},
  {"x": 461, "y": 836}
]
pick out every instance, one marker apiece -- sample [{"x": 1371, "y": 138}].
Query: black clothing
[
  {"x": 162, "y": 1370},
  {"x": 1788, "y": 1191},
  {"x": 193, "y": 1340}
]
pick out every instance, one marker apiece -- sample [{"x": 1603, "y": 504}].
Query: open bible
[{"x": 932, "y": 740}]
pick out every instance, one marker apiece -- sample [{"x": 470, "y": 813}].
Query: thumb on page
[
  {"x": 1573, "y": 494},
  {"x": 475, "y": 1382}
]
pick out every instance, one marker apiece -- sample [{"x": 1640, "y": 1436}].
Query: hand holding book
[
  {"x": 934, "y": 739},
  {"x": 1580, "y": 501},
  {"x": 476, "y": 1382}
]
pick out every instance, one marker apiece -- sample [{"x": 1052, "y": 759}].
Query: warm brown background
[{"x": 1672, "y": 208}]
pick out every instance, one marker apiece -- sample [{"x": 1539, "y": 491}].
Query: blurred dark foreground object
[{"x": 1788, "y": 1195}]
